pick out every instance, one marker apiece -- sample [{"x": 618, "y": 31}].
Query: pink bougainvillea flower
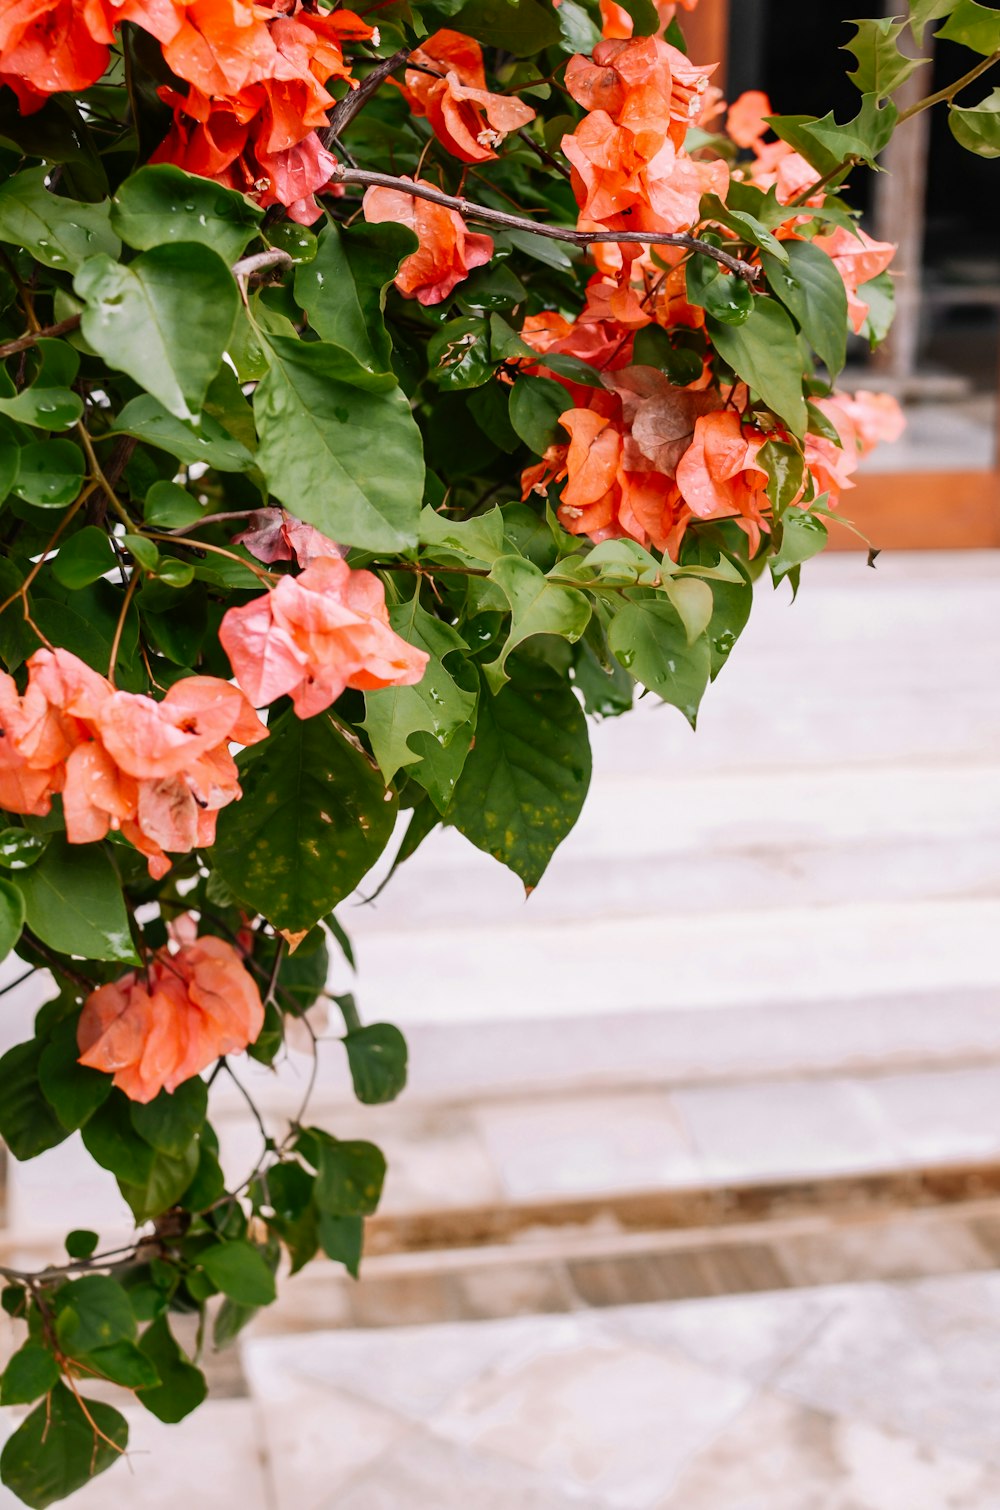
[
  {"x": 877, "y": 417},
  {"x": 275, "y": 535},
  {"x": 447, "y": 252},
  {"x": 158, "y": 772},
  {"x": 858, "y": 258},
  {"x": 155, "y": 1030},
  {"x": 316, "y": 634},
  {"x": 447, "y": 84}
]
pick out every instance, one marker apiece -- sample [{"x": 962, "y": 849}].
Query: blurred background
[{"x": 694, "y": 1195}]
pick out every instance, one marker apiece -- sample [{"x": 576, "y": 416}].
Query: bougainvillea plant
[{"x": 381, "y": 395}]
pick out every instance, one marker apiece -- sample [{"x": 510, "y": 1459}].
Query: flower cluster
[
  {"x": 645, "y": 458},
  {"x": 256, "y": 77},
  {"x": 316, "y": 634},
  {"x": 157, "y": 772},
  {"x": 630, "y": 170},
  {"x": 153, "y": 1029}
]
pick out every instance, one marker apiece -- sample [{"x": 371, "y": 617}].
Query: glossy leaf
[
  {"x": 343, "y": 289},
  {"x": 537, "y": 606},
  {"x": 649, "y": 638},
  {"x": 338, "y": 446},
  {"x": 165, "y": 319},
  {"x": 74, "y": 903},
  {"x": 239, "y": 1270},
  {"x": 978, "y": 127},
  {"x": 314, "y": 818},
  {"x": 56, "y": 1450},
  {"x": 973, "y": 25},
  {"x": 812, "y": 290},
  {"x": 61, "y": 233},
  {"x": 525, "y": 779},
  {"x": 161, "y": 204},
  {"x": 377, "y": 1056},
  {"x": 11, "y": 916},
  {"x": 764, "y": 352}
]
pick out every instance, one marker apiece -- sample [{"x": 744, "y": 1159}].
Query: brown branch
[
  {"x": 60, "y": 328},
  {"x": 469, "y": 210},
  {"x": 261, "y": 261},
  {"x": 346, "y": 109}
]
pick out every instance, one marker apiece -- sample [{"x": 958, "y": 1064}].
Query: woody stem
[
  {"x": 469, "y": 210},
  {"x": 120, "y": 626}
]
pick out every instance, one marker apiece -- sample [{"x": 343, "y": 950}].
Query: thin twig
[
  {"x": 260, "y": 261},
  {"x": 31, "y": 337},
  {"x": 469, "y": 210},
  {"x": 950, "y": 92},
  {"x": 120, "y": 626},
  {"x": 346, "y": 109}
]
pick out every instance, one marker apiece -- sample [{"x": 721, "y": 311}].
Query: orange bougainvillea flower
[
  {"x": 857, "y": 258},
  {"x": 447, "y": 252},
  {"x": 257, "y": 94},
  {"x": 876, "y": 417},
  {"x": 629, "y": 169},
  {"x": 316, "y": 634},
  {"x": 152, "y": 1031},
  {"x": 51, "y": 45},
  {"x": 745, "y": 121},
  {"x": 446, "y": 83},
  {"x": 156, "y": 771},
  {"x": 718, "y": 474}
]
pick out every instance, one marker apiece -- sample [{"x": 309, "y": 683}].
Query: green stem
[{"x": 950, "y": 92}]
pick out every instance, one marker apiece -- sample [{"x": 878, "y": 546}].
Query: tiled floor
[{"x": 855, "y": 1397}]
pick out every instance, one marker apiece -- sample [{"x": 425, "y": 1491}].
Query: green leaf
[
  {"x": 74, "y": 903},
  {"x": 978, "y": 128},
  {"x": 785, "y": 468},
  {"x": 11, "y": 916},
  {"x": 171, "y": 507},
  {"x": 147, "y": 420},
  {"x": 165, "y": 319},
  {"x": 523, "y": 29},
  {"x": 719, "y": 293},
  {"x": 20, "y": 848},
  {"x": 72, "y": 1089},
  {"x": 182, "y": 1387},
  {"x": 81, "y": 1242},
  {"x": 812, "y": 290},
  {"x": 240, "y": 1271},
  {"x": 125, "y": 1364},
  {"x": 799, "y": 536},
  {"x": 377, "y": 1056},
  {"x": 50, "y": 474},
  {"x": 436, "y": 706},
  {"x": 746, "y": 226},
  {"x": 56, "y": 1449},
  {"x": 764, "y": 352},
  {"x": 829, "y": 144},
  {"x": 579, "y": 34},
  {"x": 31, "y": 1372},
  {"x": 537, "y": 606},
  {"x": 343, "y": 290},
  {"x": 90, "y": 1313},
  {"x": 85, "y": 557},
  {"x": 61, "y": 233},
  {"x": 526, "y": 777},
  {"x": 161, "y": 204},
  {"x": 110, "y": 1139},
  {"x": 166, "y": 1182},
  {"x": 43, "y": 407},
  {"x": 480, "y": 539},
  {"x": 535, "y": 405},
  {"x": 297, "y": 240},
  {"x": 338, "y": 446},
  {"x": 649, "y": 638},
  {"x": 170, "y": 1122},
  {"x": 350, "y": 1178},
  {"x": 313, "y": 820},
  {"x": 922, "y": 11},
  {"x": 974, "y": 26},
  {"x": 28, "y": 1125},
  {"x": 882, "y": 67},
  {"x": 653, "y": 347},
  {"x": 458, "y": 355},
  {"x": 342, "y": 1238}
]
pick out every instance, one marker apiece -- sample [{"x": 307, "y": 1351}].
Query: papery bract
[
  {"x": 152, "y": 1031},
  {"x": 447, "y": 252},
  {"x": 447, "y": 84},
  {"x": 316, "y": 634}
]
